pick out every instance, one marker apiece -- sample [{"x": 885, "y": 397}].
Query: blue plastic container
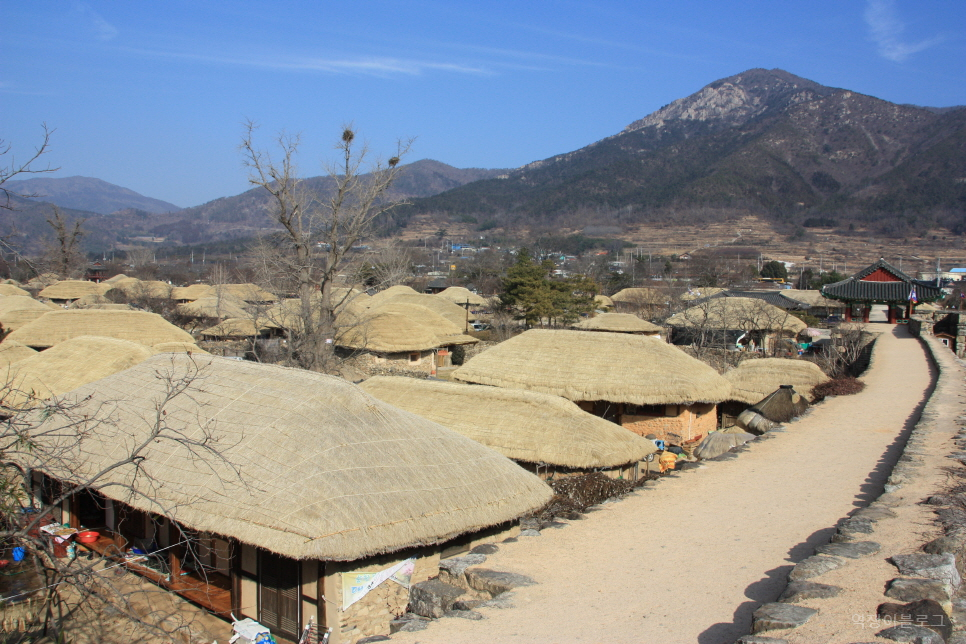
[{"x": 18, "y": 554}]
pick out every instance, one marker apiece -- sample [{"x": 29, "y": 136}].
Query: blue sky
[{"x": 152, "y": 96}]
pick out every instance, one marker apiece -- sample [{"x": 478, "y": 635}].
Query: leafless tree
[
  {"x": 14, "y": 168},
  {"x": 317, "y": 233},
  {"x": 63, "y": 253},
  {"x": 49, "y": 437}
]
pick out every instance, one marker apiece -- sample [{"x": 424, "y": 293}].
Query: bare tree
[
  {"x": 14, "y": 168},
  {"x": 50, "y": 437},
  {"x": 317, "y": 232},
  {"x": 63, "y": 253}
]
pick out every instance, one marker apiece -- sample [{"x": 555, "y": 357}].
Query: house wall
[
  {"x": 371, "y": 614},
  {"x": 688, "y": 423},
  {"x": 394, "y": 363}
]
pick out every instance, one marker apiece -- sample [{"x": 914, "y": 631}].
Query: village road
[{"x": 691, "y": 558}]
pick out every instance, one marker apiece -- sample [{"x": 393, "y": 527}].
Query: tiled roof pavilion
[{"x": 882, "y": 283}]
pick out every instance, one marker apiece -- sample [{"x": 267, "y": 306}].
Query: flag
[{"x": 912, "y": 295}]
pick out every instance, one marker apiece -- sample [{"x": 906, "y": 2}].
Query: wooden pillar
[
  {"x": 865, "y": 313},
  {"x": 891, "y": 315},
  {"x": 848, "y": 312},
  {"x": 236, "y": 577}
]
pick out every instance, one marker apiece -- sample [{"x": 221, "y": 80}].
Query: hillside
[
  {"x": 88, "y": 194},
  {"x": 763, "y": 142}
]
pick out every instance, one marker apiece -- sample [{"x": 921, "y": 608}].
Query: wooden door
[{"x": 279, "y": 594}]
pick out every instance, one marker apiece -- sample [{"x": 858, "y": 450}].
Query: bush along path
[{"x": 893, "y": 571}]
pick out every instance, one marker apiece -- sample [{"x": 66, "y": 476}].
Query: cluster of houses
[{"x": 315, "y": 483}]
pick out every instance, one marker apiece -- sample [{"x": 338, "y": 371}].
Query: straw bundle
[
  {"x": 782, "y": 405},
  {"x": 699, "y": 293},
  {"x": 311, "y": 466},
  {"x": 639, "y": 296},
  {"x": 387, "y": 333},
  {"x": 447, "y": 332},
  {"x": 752, "y": 380},
  {"x": 213, "y": 306},
  {"x": 11, "y": 289},
  {"x": 737, "y": 313},
  {"x": 522, "y": 425},
  {"x": 596, "y": 365},
  {"x": 72, "y": 289},
  {"x": 455, "y": 314},
  {"x": 137, "y": 326},
  {"x": 238, "y": 328},
  {"x": 71, "y": 364},
  {"x": 618, "y": 323},
  {"x": 11, "y": 351},
  {"x": 178, "y": 347},
  {"x": 460, "y": 295}
]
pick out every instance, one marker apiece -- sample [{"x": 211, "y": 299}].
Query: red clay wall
[{"x": 691, "y": 422}]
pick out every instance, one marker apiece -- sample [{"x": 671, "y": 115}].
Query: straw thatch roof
[
  {"x": 133, "y": 287},
  {"x": 89, "y": 300},
  {"x": 103, "y": 306},
  {"x": 238, "y": 328},
  {"x": 387, "y": 333},
  {"x": 812, "y": 298},
  {"x": 73, "y": 363},
  {"x": 72, "y": 289},
  {"x": 24, "y": 303},
  {"x": 446, "y": 331},
  {"x": 116, "y": 278},
  {"x": 604, "y": 302},
  {"x": 311, "y": 466},
  {"x": 522, "y": 425},
  {"x": 452, "y": 312},
  {"x": 393, "y": 291},
  {"x": 213, "y": 306},
  {"x": 752, "y": 380},
  {"x": 11, "y": 352},
  {"x": 11, "y": 289},
  {"x": 618, "y": 323},
  {"x": 782, "y": 405},
  {"x": 13, "y": 320},
  {"x": 460, "y": 295},
  {"x": 191, "y": 293},
  {"x": 251, "y": 293},
  {"x": 738, "y": 313},
  {"x": 596, "y": 365},
  {"x": 640, "y": 296},
  {"x": 178, "y": 347},
  {"x": 137, "y": 326},
  {"x": 41, "y": 281},
  {"x": 701, "y": 292}
]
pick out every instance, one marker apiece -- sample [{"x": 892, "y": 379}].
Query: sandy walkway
[{"x": 690, "y": 559}]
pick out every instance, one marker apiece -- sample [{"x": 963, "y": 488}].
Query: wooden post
[{"x": 236, "y": 577}]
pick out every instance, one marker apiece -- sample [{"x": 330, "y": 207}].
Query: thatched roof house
[
  {"x": 734, "y": 323},
  {"x": 639, "y": 296},
  {"x": 753, "y": 380},
  {"x": 73, "y": 363},
  {"x": 603, "y": 302},
  {"x": 388, "y": 333},
  {"x": 12, "y": 351},
  {"x": 13, "y": 320},
  {"x": 239, "y": 329},
  {"x": 135, "y": 288},
  {"x": 313, "y": 478},
  {"x": 136, "y": 326},
  {"x": 12, "y": 289},
  {"x": 452, "y": 312},
  {"x": 191, "y": 293},
  {"x": 393, "y": 291},
  {"x": 70, "y": 290},
  {"x": 637, "y": 381},
  {"x": 522, "y": 425},
  {"x": 178, "y": 347},
  {"x": 214, "y": 306},
  {"x": 18, "y": 310},
  {"x": 700, "y": 293},
  {"x": 618, "y": 323},
  {"x": 462, "y": 296},
  {"x": 447, "y": 332}
]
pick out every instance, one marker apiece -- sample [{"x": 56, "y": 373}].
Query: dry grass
[{"x": 845, "y": 386}]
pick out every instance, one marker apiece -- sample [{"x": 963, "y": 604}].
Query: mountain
[
  {"x": 89, "y": 194},
  {"x": 762, "y": 142}
]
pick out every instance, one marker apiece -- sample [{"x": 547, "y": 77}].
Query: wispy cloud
[
  {"x": 885, "y": 29},
  {"x": 102, "y": 28},
  {"x": 365, "y": 65}
]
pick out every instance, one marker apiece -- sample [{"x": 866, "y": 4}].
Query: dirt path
[{"x": 690, "y": 559}]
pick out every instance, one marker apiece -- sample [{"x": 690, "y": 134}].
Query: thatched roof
[
  {"x": 178, "y": 347},
  {"x": 16, "y": 319},
  {"x": 603, "y": 301},
  {"x": 812, "y": 298},
  {"x": 72, "y": 289},
  {"x": 446, "y": 331},
  {"x": 11, "y": 351},
  {"x": 116, "y": 278},
  {"x": 137, "y": 326},
  {"x": 393, "y": 291},
  {"x": 133, "y": 287},
  {"x": 252, "y": 293},
  {"x": 460, "y": 295},
  {"x": 311, "y": 466},
  {"x": 43, "y": 280},
  {"x": 753, "y": 380},
  {"x": 11, "y": 289},
  {"x": 737, "y": 313},
  {"x": 618, "y": 323},
  {"x": 387, "y": 333},
  {"x": 192, "y": 292},
  {"x": 90, "y": 300},
  {"x": 701, "y": 292},
  {"x": 238, "y": 328},
  {"x": 73, "y": 363},
  {"x": 213, "y": 306},
  {"x": 522, "y": 425},
  {"x": 782, "y": 405},
  {"x": 596, "y": 365},
  {"x": 24, "y": 303},
  {"x": 452, "y": 312},
  {"x": 640, "y": 296}
]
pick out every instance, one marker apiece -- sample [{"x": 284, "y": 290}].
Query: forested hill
[{"x": 763, "y": 142}]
